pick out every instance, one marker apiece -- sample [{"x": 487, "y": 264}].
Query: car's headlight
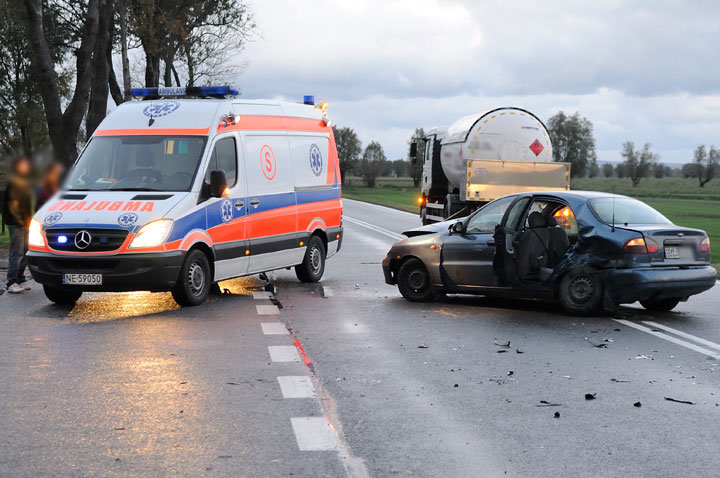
[
  {"x": 152, "y": 234},
  {"x": 35, "y": 235}
]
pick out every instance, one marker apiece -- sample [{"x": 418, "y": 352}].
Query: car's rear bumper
[
  {"x": 630, "y": 285},
  {"x": 120, "y": 272}
]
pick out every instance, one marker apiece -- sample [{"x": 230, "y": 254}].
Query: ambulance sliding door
[
  {"x": 226, "y": 216},
  {"x": 272, "y": 210}
]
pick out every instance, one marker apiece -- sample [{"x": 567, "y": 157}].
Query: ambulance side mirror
[{"x": 218, "y": 183}]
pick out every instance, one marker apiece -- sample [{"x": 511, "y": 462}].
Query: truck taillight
[
  {"x": 705, "y": 245},
  {"x": 639, "y": 245}
]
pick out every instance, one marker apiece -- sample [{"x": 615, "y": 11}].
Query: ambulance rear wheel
[
  {"x": 62, "y": 296},
  {"x": 313, "y": 265},
  {"x": 194, "y": 283}
]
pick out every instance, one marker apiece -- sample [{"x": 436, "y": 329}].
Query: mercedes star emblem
[{"x": 82, "y": 239}]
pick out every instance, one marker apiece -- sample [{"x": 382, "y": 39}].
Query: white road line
[
  {"x": 314, "y": 434},
  {"x": 274, "y": 328},
  {"x": 283, "y": 353},
  {"x": 382, "y": 207},
  {"x": 261, "y": 295},
  {"x": 391, "y": 234},
  {"x": 682, "y": 334},
  {"x": 267, "y": 309},
  {"x": 669, "y": 338},
  {"x": 296, "y": 387}
]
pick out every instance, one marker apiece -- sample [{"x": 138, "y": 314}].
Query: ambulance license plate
[
  {"x": 82, "y": 279},
  {"x": 672, "y": 252}
]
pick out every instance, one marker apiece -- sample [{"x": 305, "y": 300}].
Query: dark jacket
[{"x": 17, "y": 204}]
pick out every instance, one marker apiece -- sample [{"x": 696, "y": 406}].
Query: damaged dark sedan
[{"x": 587, "y": 250}]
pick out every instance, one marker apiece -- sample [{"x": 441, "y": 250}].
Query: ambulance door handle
[
  {"x": 254, "y": 203},
  {"x": 239, "y": 205}
]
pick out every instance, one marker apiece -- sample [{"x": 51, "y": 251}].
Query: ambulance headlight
[
  {"x": 35, "y": 235},
  {"x": 152, "y": 234}
]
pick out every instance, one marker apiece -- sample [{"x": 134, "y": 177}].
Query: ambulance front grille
[{"x": 101, "y": 240}]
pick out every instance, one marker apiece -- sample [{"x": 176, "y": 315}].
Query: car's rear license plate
[
  {"x": 672, "y": 252},
  {"x": 82, "y": 279}
]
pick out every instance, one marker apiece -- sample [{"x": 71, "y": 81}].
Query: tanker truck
[{"x": 482, "y": 157}]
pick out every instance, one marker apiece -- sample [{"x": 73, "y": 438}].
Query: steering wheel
[{"x": 148, "y": 175}]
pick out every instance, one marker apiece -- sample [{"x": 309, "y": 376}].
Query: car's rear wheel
[
  {"x": 581, "y": 291},
  {"x": 313, "y": 264},
  {"x": 660, "y": 305},
  {"x": 414, "y": 283},
  {"x": 62, "y": 296},
  {"x": 193, "y": 285}
]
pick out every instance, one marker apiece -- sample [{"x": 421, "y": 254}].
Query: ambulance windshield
[{"x": 137, "y": 163}]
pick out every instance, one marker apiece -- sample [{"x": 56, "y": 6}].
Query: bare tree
[
  {"x": 707, "y": 163},
  {"x": 372, "y": 164},
  {"x": 63, "y": 126},
  {"x": 638, "y": 163}
]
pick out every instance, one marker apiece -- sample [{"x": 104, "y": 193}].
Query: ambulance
[{"x": 186, "y": 187}]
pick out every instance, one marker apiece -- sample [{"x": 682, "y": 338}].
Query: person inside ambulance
[{"x": 144, "y": 169}]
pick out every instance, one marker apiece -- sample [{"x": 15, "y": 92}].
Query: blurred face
[{"x": 22, "y": 167}]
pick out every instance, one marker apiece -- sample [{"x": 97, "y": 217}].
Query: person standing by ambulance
[{"x": 17, "y": 212}]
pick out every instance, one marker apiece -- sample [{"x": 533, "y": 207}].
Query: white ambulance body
[{"x": 176, "y": 194}]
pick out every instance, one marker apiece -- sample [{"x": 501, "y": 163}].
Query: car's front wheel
[
  {"x": 581, "y": 291},
  {"x": 62, "y": 296},
  {"x": 193, "y": 285},
  {"x": 660, "y": 305},
  {"x": 414, "y": 283}
]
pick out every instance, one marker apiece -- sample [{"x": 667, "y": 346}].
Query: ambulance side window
[{"x": 224, "y": 158}]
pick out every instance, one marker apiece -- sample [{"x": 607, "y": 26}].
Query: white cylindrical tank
[{"x": 506, "y": 134}]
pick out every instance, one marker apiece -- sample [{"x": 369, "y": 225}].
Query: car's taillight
[
  {"x": 639, "y": 245},
  {"x": 705, "y": 245}
]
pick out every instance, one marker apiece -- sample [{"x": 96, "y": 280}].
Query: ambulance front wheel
[
  {"x": 313, "y": 264},
  {"x": 62, "y": 296},
  {"x": 194, "y": 282}
]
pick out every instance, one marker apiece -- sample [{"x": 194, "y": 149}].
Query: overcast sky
[{"x": 646, "y": 71}]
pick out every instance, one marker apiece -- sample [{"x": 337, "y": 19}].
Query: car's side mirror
[
  {"x": 458, "y": 228},
  {"x": 218, "y": 183},
  {"x": 413, "y": 151}
]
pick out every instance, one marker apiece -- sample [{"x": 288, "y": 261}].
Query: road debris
[
  {"x": 590, "y": 396},
  {"x": 423, "y": 346},
  {"x": 599, "y": 345},
  {"x": 619, "y": 380},
  {"x": 500, "y": 351},
  {"x": 519, "y": 351},
  {"x": 545, "y": 403},
  {"x": 644, "y": 357},
  {"x": 502, "y": 343},
  {"x": 556, "y": 415},
  {"x": 456, "y": 385},
  {"x": 637, "y": 404},
  {"x": 687, "y": 402},
  {"x": 510, "y": 372}
]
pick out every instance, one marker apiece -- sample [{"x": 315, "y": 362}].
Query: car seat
[
  {"x": 558, "y": 242},
  {"x": 533, "y": 249}
]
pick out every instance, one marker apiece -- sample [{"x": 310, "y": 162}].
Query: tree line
[{"x": 56, "y": 61}]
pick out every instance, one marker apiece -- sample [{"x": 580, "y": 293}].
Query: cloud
[{"x": 644, "y": 71}]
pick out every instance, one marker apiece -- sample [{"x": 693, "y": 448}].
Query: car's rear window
[{"x": 622, "y": 210}]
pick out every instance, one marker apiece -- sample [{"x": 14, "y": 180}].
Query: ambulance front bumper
[{"x": 120, "y": 272}]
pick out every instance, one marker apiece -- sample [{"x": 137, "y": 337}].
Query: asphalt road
[{"x": 330, "y": 380}]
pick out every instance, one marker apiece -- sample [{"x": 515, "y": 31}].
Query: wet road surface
[{"x": 334, "y": 379}]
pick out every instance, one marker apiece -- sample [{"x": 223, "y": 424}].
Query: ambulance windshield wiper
[{"x": 132, "y": 189}]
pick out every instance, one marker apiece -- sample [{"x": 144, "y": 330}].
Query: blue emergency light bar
[
  {"x": 309, "y": 100},
  {"x": 212, "y": 91}
]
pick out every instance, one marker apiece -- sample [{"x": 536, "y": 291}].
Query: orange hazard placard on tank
[{"x": 268, "y": 164}]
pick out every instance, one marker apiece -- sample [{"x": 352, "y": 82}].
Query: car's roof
[{"x": 575, "y": 194}]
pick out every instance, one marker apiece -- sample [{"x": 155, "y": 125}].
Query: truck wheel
[
  {"x": 581, "y": 292},
  {"x": 62, "y": 296},
  {"x": 413, "y": 282},
  {"x": 660, "y": 305},
  {"x": 313, "y": 264},
  {"x": 193, "y": 285}
]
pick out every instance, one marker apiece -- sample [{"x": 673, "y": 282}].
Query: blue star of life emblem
[
  {"x": 52, "y": 218},
  {"x": 128, "y": 219},
  {"x": 160, "y": 109},
  {"x": 226, "y": 210},
  {"x": 316, "y": 159}
]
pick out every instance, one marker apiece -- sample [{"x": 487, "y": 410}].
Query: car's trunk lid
[{"x": 677, "y": 245}]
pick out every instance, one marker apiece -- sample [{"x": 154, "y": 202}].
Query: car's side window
[
  {"x": 485, "y": 220},
  {"x": 516, "y": 213},
  {"x": 224, "y": 158},
  {"x": 566, "y": 219}
]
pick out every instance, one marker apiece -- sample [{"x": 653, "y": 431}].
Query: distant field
[{"x": 680, "y": 200}]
